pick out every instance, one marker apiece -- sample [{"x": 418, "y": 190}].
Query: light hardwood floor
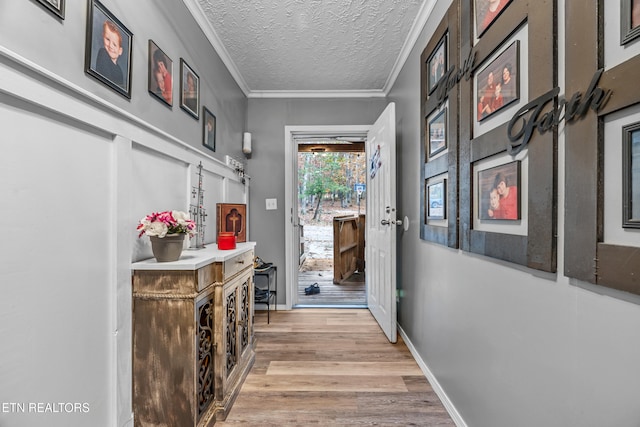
[{"x": 332, "y": 367}]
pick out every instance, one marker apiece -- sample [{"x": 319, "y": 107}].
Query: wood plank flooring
[
  {"x": 351, "y": 292},
  {"x": 332, "y": 367}
]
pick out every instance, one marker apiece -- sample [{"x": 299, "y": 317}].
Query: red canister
[{"x": 226, "y": 240}]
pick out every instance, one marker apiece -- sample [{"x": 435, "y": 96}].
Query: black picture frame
[
  {"x": 436, "y": 198},
  {"x": 631, "y": 176},
  {"x": 437, "y": 64},
  {"x": 437, "y": 134},
  {"x": 209, "y": 126},
  {"x": 104, "y": 29},
  {"x": 502, "y": 87},
  {"x": 629, "y": 21},
  {"x": 485, "y": 16},
  {"x": 160, "y": 81},
  {"x": 54, "y": 6},
  {"x": 189, "y": 90},
  {"x": 500, "y": 184}
]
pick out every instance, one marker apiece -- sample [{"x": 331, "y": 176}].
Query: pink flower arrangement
[{"x": 168, "y": 222}]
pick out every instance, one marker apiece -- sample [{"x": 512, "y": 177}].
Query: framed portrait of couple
[
  {"x": 108, "y": 49},
  {"x": 498, "y": 84}
]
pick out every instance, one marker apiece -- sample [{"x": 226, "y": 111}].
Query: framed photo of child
[
  {"x": 54, "y": 6},
  {"x": 437, "y": 64},
  {"x": 189, "y": 90},
  {"x": 498, "y": 84},
  {"x": 499, "y": 192},
  {"x": 108, "y": 49},
  {"x": 160, "y": 74},
  {"x": 208, "y": 129},
  {"x": 437, "y": 134}
]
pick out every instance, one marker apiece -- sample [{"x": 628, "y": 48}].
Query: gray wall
[
  {"x": 510, "y": 346},
  {"x": 267, "y": 119},
  {"x": 70, "y": 147}
]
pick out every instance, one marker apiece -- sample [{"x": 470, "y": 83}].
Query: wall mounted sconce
[{"x": 246, "y": 144}]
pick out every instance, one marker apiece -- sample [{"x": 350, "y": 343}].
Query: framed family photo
[
  {"x": 108, "y": 49},
  {"x": 189, "y": 90},
  {"x": 437, "y": 64},
  {"x": 437, "y": 133},
  {"x": 208, "y": 129},
  {"x": 160, "y": 74},
  {"x": 437, "y": 200},
  {"x": 487, "y": 11},
  {"x": 498, "y": 84},
  {"x": 54, "y": 6},
  {"x": 629, "y": 20},
  {"x": 499, "y": 192},
  {"x": 631, "y": 176}
]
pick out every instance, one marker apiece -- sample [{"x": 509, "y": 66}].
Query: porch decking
[{"x": 352, "y": 292}]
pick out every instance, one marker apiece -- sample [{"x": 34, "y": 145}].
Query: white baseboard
[
  {"x": 278, "y": 307},
  {"x": 448, "y": 405}
]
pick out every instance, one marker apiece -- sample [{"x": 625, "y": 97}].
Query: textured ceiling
[{"x": 311, "y": 45}]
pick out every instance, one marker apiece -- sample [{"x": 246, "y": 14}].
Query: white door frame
[{"x": 291, "y": 194}]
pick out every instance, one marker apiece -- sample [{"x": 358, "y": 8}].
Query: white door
[{"x": 380, "y": 237}]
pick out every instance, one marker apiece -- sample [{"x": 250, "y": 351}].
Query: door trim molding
[{"x": 290, "y": 177}]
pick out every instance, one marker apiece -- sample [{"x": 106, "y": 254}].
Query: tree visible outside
[
  {"x": 326, "y": 189},
  {"x": 326, "y": 185}
]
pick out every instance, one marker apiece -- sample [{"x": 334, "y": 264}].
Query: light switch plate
[{"x": 272, "y": 204}]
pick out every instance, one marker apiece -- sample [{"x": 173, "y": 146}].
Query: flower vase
[{"x": 167, "y": 248}]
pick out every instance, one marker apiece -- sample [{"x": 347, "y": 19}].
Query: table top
[{"x": 193, "y": 259}]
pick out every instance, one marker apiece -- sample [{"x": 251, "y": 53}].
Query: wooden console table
[{"x": 192, "y": 335}]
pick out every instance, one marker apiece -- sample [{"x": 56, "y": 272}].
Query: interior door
[{"x": 380, "y": 246}]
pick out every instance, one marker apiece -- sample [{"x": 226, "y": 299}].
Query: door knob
[{"x": 397, "y": 222}]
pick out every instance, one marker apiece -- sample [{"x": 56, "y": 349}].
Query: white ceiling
[{"x": 312, "y": 48}]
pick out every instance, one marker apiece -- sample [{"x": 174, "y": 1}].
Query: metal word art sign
[{"x": 574, "y": 109}]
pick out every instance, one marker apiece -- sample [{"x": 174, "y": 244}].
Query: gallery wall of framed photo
[
  {"x": 500, "y": 183},
  {"x": 602, "y": 159},
  {"x": 494, "y": 156},
  {"x": 515, "y": 65},
  {"x": 108, "y": 57},
  {"x": 439, "y": 135}
]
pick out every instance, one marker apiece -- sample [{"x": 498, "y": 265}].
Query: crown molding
[
  {"x": 416, "y": 28},
  {"x": 374, "y": 93},
  {"x": 201, "y": 19},
  {"x": 418, "y": 25}
]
